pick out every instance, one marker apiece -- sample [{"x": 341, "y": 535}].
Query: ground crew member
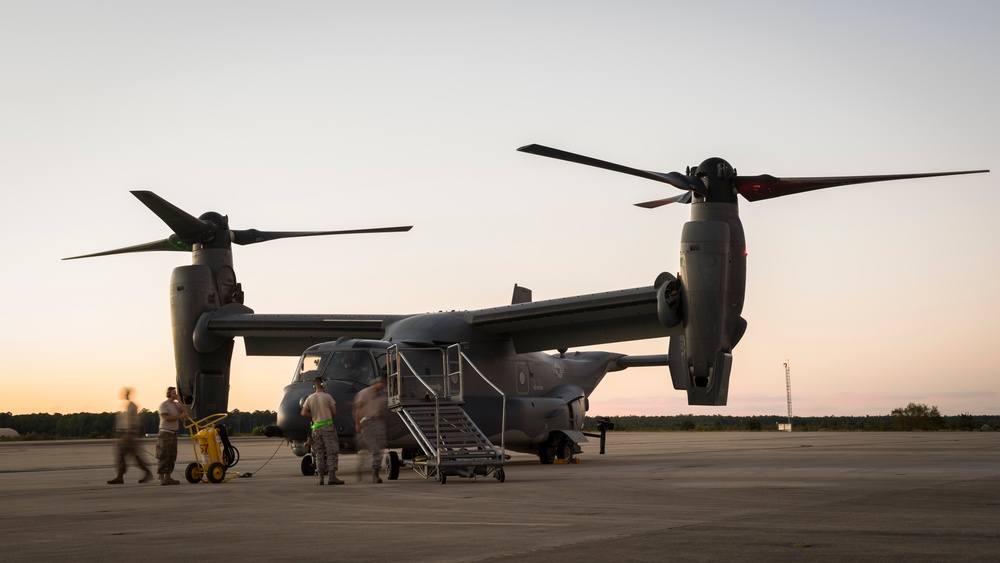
[
  {"x": 127, "y": 431},
  {"x": 370, "y": 407},
  {"x": 171, "y": 412},
  {"x": 321, "y": 408}
]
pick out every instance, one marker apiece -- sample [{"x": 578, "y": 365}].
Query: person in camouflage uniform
[
  {"x": 172, "y": 412},
  {"x": 325, "y": 444}
]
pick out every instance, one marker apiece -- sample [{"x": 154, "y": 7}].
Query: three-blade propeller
[
  {"x": 189, "y": 230},
  {"x": 753, "y": 188}
]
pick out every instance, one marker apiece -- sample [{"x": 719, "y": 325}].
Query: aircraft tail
[{"x": 521, "y": 295}]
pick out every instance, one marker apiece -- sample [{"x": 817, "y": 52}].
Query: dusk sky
[{"x": 340, "y": 115}]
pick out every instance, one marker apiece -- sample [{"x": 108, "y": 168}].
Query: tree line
[
  {"x": 913, "y": 417},
  {"x": 102, "y": 425}
]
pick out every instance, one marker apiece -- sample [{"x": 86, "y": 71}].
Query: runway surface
[{"x": 679, "y": 496}]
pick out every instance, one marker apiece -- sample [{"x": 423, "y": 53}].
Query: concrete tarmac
[{"x": 679, "y": 496}]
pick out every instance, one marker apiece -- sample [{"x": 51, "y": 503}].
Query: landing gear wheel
[
  {"x": 565, "y": 450},
  {"x": 547, "y": 451},
  {"x": 308, "y": 467},
  {"x": 392, "y": 466},
  {"x": 193, "y": 472},
  {"x": 498, "y": 475},
  {"x": 216, "y": 472},
  {"x": 442, "y": 478}
]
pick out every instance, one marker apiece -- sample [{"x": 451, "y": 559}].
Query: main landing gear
[{"x": 558, "y": 449}]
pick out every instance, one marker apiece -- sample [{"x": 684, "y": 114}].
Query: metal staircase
[{"x": 425, "y": 389}]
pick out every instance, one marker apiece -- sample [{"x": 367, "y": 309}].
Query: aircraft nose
[{"x": 293, "y": 425}]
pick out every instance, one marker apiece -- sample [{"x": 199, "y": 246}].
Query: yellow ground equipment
[{"x": 212, "y": 450}]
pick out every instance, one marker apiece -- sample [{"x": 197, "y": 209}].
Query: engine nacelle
[
  {"x": 700, "y": 361},
  {"x": 202, "y": 377}
]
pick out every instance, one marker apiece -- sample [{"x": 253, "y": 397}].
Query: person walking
[
  {"x": 172, "y": 411},
  {"x": 127, "y": 431},
  {"x": 370, "y": 407},
  {"x": 325, "y": 444}
]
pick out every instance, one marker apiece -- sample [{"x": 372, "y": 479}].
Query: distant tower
[{"x": 788, "y": 391}]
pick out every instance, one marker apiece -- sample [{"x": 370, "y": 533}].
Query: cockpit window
[
  {"x": 353, "y": 365},
  {"x": 310, "y": 366},
  {"x": 381, "y": 358},
  {"x": 348, "y": 365}
]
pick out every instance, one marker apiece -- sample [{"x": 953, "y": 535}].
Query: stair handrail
[
  {"x": 414, "y": 427},
  {"x": 393, "y": 351},
  {"x": 503, "y": 396}
]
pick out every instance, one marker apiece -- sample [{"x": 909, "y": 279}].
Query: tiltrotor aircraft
[{"x": 463, "y": 381}]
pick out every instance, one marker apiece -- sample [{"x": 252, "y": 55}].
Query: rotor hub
[{"x": 717, "y": 175}]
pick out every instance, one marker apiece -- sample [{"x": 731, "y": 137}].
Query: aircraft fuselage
[{"x": 545, "y": 393}]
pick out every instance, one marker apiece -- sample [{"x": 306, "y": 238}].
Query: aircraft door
[{"x": 522, "y": 378}]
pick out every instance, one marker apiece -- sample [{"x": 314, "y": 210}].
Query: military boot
[
  {"x": 168, "y": 480},
  {"x": 147, "y": 478},
  {"x": 334, "y": 480},
  {"x": 375, "y": 476},
  {"x": 321, "y": 480},
  {"x": 120, "y": 479}
]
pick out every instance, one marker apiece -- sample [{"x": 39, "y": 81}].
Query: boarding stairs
[{"x": 425, "y": 388}]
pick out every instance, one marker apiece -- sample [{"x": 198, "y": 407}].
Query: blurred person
[
  {"x": 371, "y": 405},
  {"x": 127, "y": 432}
]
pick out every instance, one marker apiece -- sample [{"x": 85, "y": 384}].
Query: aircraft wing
[
  {"x": 583, "y": 320},
  {"x": 289, "y": 335},
  {"x": 570, "y": 322}
]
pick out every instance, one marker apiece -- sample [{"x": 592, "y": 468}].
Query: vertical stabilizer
[{"x": 521, "y": 295}]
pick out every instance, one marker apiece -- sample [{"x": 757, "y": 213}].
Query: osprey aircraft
[{"x": 508, "y": 369}]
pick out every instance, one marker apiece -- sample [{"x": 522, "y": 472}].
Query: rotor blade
[
  {"x": 765, "y": 186},
  {"x": 171, "y": 243},
  {"x": 188, "y": 227},
  {"x": 251, "y": 236},
  {"x": 683, "y": 198},
  {"x": 675, "y": 179}
]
